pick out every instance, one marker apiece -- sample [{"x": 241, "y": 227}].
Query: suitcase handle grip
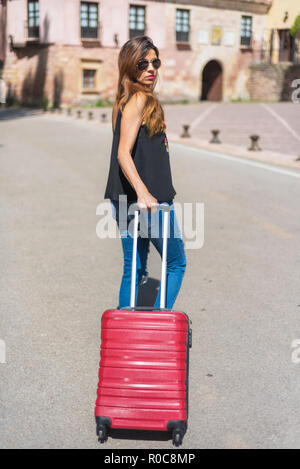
[
  {"x": 166, "y": 208},
  {"x": 134, "y": 206}
]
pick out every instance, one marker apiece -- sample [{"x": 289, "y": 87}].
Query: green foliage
[
  {"x": 102, "y": 102},
  {"x": 106, "y": 102},
  {"x": 295, "y": 29},
  {"x": 180, "y": 101},
  {"x": 237, "y": 100},
  {"x": 45, "y": 104}
]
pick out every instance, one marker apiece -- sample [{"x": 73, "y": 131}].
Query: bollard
[
  {"x": 59, "y": 110},
  {"x": 69, "y": 111},
  {"x": 185, "y": 133},
  {"x": 103, "y": 117},
  {"x": 254, "y": 143},
  {"x": 215, "y": 137},
  {"x": 90, "y": 115},
  {"x": 79, "y": 113}
]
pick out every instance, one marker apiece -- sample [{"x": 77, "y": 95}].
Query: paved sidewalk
[
  {"x": 278, "y": 125},
  {"x": 270, "y": 157},
  {"x": 279, "y": 142}
]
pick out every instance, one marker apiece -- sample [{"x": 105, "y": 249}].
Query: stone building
[
  {"x": 273, "y": 77},
  {"x": 281, "y": 45},
  {"x": 66, "y": 51}
]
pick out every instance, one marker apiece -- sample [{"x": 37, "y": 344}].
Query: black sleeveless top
[{"x": 151, "y": 158}]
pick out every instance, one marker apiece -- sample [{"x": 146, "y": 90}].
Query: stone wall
[
  {"x": 272, "y": 82},
  {"x": 54, "y": 72}
]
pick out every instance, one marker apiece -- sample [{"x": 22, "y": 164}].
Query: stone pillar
[{"x": 276, "y": 47}]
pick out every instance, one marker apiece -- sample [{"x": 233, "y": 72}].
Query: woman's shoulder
[
  {"x": 140, "y": 98},
  {"x": 137, "y": 100}
]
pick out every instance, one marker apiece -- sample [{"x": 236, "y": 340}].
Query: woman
[{"x": 140, "y": 168}]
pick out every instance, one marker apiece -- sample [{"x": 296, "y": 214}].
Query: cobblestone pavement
[{"x": 277, "y": 124}]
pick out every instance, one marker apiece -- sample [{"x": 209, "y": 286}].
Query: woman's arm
[
  {"x": 130, "y": 123},
  {"x": 114, "y": 116}
]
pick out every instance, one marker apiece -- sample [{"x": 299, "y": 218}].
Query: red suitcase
[{"x": 144, "y": 364}]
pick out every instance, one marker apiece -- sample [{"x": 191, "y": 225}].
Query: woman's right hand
[{"x": 147, "y": 201}]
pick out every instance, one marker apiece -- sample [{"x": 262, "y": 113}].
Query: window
[
  {"x": 89, "y": 20},
  {"x": 33, "y": 19},
  {"x": 182, "y": 25},
  {"x": 246, "y": 30},
  {"x": 89, "y": 79},
  {"x": 136, "y": 21},
  {"x": 89, "y": 76},
  {"x": 286, "y": 45}
]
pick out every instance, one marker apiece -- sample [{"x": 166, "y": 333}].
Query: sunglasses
[{"x": 142, "y": 65}]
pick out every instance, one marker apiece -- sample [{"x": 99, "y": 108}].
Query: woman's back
[{"x": 151, "y": 158}]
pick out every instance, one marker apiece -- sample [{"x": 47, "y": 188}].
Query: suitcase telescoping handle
[{"x": 136, "y": 209}]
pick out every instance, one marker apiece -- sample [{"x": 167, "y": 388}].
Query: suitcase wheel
[
  {"x": 177, "y": 437},
  {"x": 102, "y": 433},
  {"x": 103, "y": 427}
]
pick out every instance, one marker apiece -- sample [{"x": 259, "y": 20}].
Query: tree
[{"x": 295, "y": 29}]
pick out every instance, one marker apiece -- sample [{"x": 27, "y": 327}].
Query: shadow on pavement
[
  {"x": 139, "y": 435},
  {"x": 15, "y": 113},
  {"x": 148, "y": 292}
]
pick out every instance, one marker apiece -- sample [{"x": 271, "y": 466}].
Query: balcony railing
[
  {"x": 182, "y": 36},
  {"x": 246, "y": 41},
  {"x": 136, "y": 32},
  {"x": 31, "y": 32},
  {"x": 88, "y": 32}
]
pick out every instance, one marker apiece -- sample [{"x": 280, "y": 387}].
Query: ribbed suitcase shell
[{"x": 143, "y": 375}]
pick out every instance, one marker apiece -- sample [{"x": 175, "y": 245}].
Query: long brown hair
[{"x": 132, "y": 51}]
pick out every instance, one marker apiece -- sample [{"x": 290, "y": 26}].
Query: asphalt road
[{"x": 241, "y": 290}]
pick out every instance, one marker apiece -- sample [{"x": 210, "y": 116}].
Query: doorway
[{"x": 212, "y": 82}]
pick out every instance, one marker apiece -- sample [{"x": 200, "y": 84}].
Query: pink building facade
[{"x": 66, "y": 51}]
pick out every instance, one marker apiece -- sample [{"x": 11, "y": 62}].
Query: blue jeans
[{"x": 151, "y": 226}]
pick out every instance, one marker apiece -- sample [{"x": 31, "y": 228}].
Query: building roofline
[{"x": 250, "y": 6}]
